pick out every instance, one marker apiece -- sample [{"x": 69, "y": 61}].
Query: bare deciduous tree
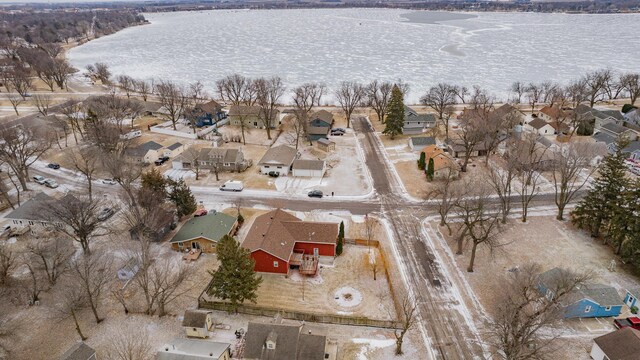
[
  {"x": 480, "y": 223},
  {"x": 378, "y": 95},
  {"x": 501, "y": 179},
  {"x": 519, "y": 89},
  {"x": 305, "y": 97},
  {"x": 268, "y": 94},
  {"x": 42, "y": 103},
  {"x": 8, "y": 263},
  {"x": 173, "y": 98},
  {"x": 50, "y": 256},
  {"x": 20, "y": 148},
  {"x": 86, "y": 161},
  {"x": 349, "y": 95},
  {"x": 143, "y": 88},
  {"x": 447, "y": 193},
  {"x": 524, "y": 312},
  {"x": 528, "y": 155},
  {"x": 239, "y": 91},
  {"x": 534, "y": 94},
  {"x": 79, "y": 218},
  {"x": 93, "y": 273},
  {"x": 441, "y": 98},
  {"x": 72, "y": 110},
  {"x": 596, "y": 83},
  {"x": 130, "y": 342},
  {"x": 408, "y": 318},
  {"x": 69, "y": 305},
  {"x": 631, "y": 84},
  {"x": 569, "y": 162},
  {"x": 15, "y": 101}
]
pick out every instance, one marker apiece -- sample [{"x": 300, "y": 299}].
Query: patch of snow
[
  {"x": 316, "y": 280},
  {"x": 371, "y": 344},
  {"x": 358, "y": 219},
  {"x": 347, "y": 296}
]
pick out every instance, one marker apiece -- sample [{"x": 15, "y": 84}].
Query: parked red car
[
  {"x": 632, "y": 322},
  {"x": 201, "y": 212}
]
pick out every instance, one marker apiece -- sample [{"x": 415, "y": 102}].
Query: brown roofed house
[
  {"x": 622, "y": 344},
  {"x": 443, "y": 164},
  {"x": 279, "y": 241}
]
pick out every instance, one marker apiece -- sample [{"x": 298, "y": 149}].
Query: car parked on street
[
  {"x": 232, "y": 185},
  {"x": 54, "y": 166},
  {"x": 105, "y": 214},
  {"x": 108, "y": 181},
  {"x": 50, "y": 183},
  {"x": 315, "y": 193},
  {"x": 39, "y": 179}
]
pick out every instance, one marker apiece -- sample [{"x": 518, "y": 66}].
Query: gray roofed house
[
  {"x": 283, "y": 342},
  {"x": 622, "y": 344},
  {"x": 415, "y": 123},
  {"x": 279, "y": 158},
  {"x": 210, "y": 158},
  {"x": 174, "y": 146},
  {"x": 616, "y": 130},
  {"x": 30, "y": 210},
  {"x": 197, "y": 323},
  {"x": 419, "y": 142},
  {"x": 212, "y": 227},
  {"x": 191, "y": 349},
  {"x": 604, "y": 137},
  {"x": 79, "y": 351},
  {"x": 600, "y": 293},
  {"x": 145, "y": 152}
]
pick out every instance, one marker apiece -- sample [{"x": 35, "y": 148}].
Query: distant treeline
[{"x": 62, "y": 25}]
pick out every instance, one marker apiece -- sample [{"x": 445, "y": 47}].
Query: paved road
[{"x": 445, "y": 327}]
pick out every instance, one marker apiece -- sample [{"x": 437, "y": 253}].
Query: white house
[
  {"x": 197, "y": 323},
  {"x": 145, "y": 153},
  {"x": 30, "y": 214},
  {"x": 540, "y": 127},
  {"x": 622, "y": 344},
  {"x": 278, "y": 159},
  {"x": 309, "y": 168},
  {"x": 174, "y": 150},
  {"x": 191, "y": 349}
]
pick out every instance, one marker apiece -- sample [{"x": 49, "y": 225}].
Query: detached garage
[{"x": 309, "y": 168}]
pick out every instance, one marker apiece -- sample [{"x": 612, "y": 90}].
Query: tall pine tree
[
  {"x": 605, "y": 195},
  {"x": 235, "y": 280},
  {"x": 395, "y": 113},
  {"x": 630, "y": 242},
  {"x": 182, "y": 197}
]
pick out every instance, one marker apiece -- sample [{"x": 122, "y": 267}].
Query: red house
[{"x": 279, "y": 241}]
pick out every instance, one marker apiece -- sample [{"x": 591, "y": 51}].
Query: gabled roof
[
  {"x": 505, "y": 110},
  {"x": 195, "y": 318},
  {"x": 237, "y": 110},
  {"x": 292, "y": 342},
  {"x": 279, "y": 155},
  {"x": 31, "y": 210},
  {"x": 79, "y": 351},
  {"x": 614, "y": 114},
  {"x": 633, "y": 146},
  {"x": 422, "y": 140},
  {"x": 600, "y": 294},
  {"x": 622, "y": 344},
  {"x": 614, "y": 128},
  {"x": 212, "y": 227},
  {"x": 538, "y": 123},
  {"x": 277, "y": 231},
  {"x": 308, "y": 164},
  {"x": 191, "y": 349},
  {"x": 411, "y": 115},
  {"x": 143, "y": 149},
  {"x": 210, "y": 107},
  {"x": 323, "y": 115},
  {"x": 604, "y": 138},
  {"x": 325, "y": 141},
  {"x": 554, "y": 112},
  {"x": 174, "y": 146},
  {"x": 635, "y": 292}
]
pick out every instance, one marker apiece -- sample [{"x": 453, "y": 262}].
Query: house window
[
  {"x": 30, "y": 222},
  {"x": 180, "y": 245},
  {"x": 607, "y": 308},
  {"x": 266, "y": 166},
  {"x": 279, "y": 167},
  {"x": 213, "y": 246},
  {"x": 315, "y": 252},
  {"x": 587, "y": 308},
  {"x": 275, "y": 264}
]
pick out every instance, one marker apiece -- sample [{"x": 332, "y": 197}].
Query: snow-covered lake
[{"x": 329, "y": 46}]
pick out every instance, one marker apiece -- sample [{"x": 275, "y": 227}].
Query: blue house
[
  {"x": 319, "y": 124},
  {"x": 207, "y": 114},
  {"x": 588, "y": 300},
  {"x": 631, "y": 297}
]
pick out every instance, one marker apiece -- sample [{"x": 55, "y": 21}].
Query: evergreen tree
[
  {"x": 422, "y": 161},
  {"x": 430, "y": 170},
  {"x": 395, "y": 114},
  {"x": 235, "y": 280},
  {"x": 182, "y": 197},
  {"x": 340, "y": 239},
  {"x": 155, "y": 182},
  {"x": 605, "y": 195},
  {"x": 627, "y": 231}
]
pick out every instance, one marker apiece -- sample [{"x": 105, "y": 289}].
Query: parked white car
[
  {"x": 51, "y": 183},
  {"x": 232, "y": 185},
  {"x": 39, "y": 179}
]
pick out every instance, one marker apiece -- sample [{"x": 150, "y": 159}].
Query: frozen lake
[{"x": 329, "y": 46}]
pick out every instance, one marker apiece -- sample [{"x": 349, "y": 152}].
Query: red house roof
[{"x": 277, "y": 232}]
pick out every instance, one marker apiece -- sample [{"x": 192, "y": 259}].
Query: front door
[
  {"x": 630, "y": 300},
  {"x": 315, "y": 251},
  {"x": 195, "y": 245}
]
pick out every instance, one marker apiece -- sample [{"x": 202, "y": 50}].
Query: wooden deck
[{"x": 192, "y": 255}]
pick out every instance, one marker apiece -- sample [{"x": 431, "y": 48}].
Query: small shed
[
  {"x": 129, "y": 270},
  {"x": 197, "y": 323},
  {"x": 309, "y": 168},
  {"x": 631, "y": 297},
  {"x": 325, "y": 145},
  {"x": 418, "y": 142}
]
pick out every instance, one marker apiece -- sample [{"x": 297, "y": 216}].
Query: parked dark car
[
  {"x": 274, "y": 173},
  {"x": 337, "y": 132},
  {"x": 315, "y": 193},
  {"x": 632, "y": 322},
  {"x": 161, "y": 160},
  {"x": 105, "y": 214},
  {"x": 55, "y": 166}
]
